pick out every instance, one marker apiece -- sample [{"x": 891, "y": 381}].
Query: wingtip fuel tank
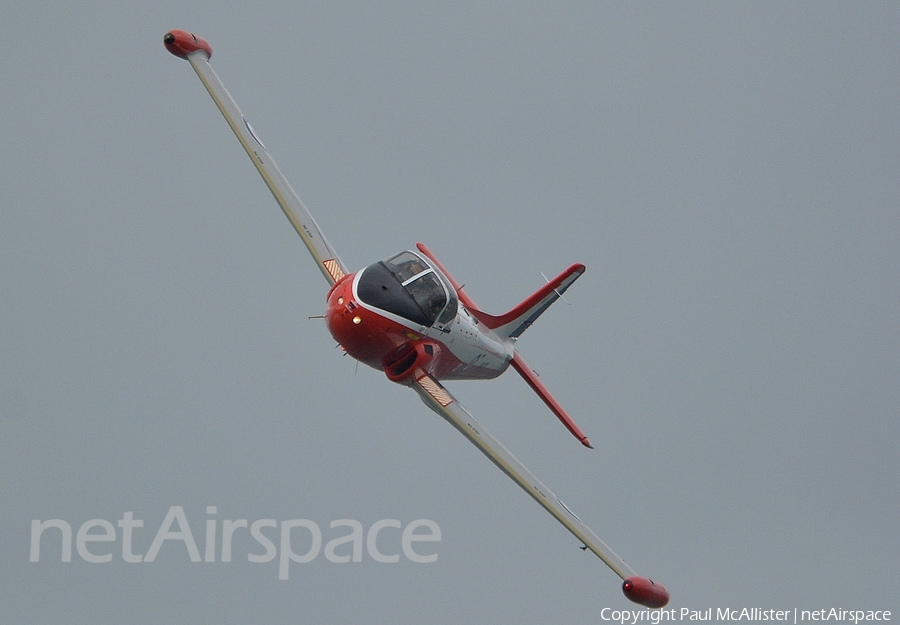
[
  {"x": 645, "y": 592},
  {"x": 181, "y": 43}
]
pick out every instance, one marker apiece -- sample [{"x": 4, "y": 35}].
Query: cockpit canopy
[{"x": 409, "y": 286}]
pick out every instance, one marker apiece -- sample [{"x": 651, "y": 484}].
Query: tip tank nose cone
[{"x": 645, "y": 592}]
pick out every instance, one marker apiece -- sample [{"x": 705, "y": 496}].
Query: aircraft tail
[
  {"x": 516, "y": 321},
  {"x": 513, "y": 323}
]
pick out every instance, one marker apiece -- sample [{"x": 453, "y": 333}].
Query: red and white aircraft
[{"x": 406, "y": 316}]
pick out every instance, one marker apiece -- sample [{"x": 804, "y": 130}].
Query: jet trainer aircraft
[{"x": 408, "y": 317}]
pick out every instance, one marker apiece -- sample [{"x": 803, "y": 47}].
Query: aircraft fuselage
[{"x": 380, "y": 316}]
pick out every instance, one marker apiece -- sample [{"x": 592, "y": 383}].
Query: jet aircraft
[{"x": 406, "y": 316}]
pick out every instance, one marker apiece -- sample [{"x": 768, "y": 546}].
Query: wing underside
[
  {"x": 325, "y": 256},
  {"x": 442, "y": 402}
]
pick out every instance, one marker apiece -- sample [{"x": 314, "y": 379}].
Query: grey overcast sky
[{"x": 728, "y": 172}]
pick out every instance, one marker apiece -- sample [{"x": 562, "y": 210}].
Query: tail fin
[{"x": 520, "y": 318}]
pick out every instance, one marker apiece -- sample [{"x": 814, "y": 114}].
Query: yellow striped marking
[
  {"x": 435, "y": 390},
  {"x": 333, "y": 269}
]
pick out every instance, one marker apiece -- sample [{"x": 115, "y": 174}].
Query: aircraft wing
[
  {"x": 442, "y": 402},
  {"x": 197, "y": 52},
  {"x": 638, "y": 589}
]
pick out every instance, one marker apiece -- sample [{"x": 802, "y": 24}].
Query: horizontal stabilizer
[
  {"x": 520, "y": 318},
  {"x": 531, "y": 377}
]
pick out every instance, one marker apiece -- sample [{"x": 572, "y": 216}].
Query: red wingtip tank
[
  {"x": 181, "y": 43},
  {"x": 645, "y": 591}
]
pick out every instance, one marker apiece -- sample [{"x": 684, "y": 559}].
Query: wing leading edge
[
  {"x": 638, "y": 589},
  {"x": 442, "y": 402},
  {"x": 197, "y": 52}
]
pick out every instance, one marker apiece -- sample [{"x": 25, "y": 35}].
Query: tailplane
[
  {"x": 532, "y": 378},
  {"x": 516, "y": 321}
]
